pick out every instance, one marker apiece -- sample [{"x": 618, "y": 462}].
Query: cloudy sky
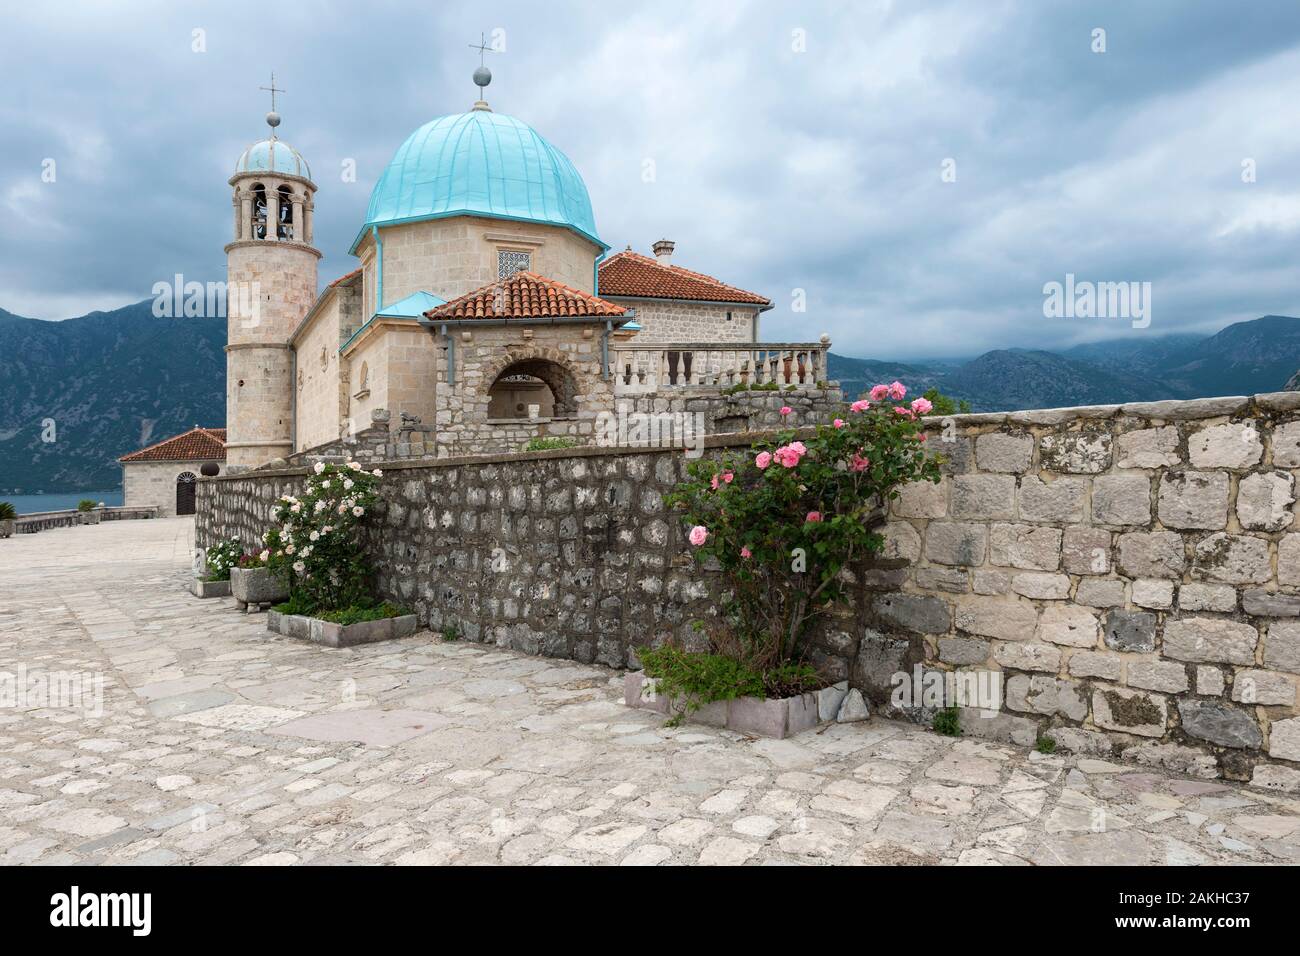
[{"x": 794, "y": 147}]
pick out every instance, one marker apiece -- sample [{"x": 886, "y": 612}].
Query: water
[{"x": 26, "y": 504}]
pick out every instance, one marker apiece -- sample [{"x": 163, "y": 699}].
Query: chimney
[{"x": 663, "y": 250}]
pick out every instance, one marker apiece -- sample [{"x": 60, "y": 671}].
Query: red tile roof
[
  {"x": 526, "y": 295},
  {"x": 197, "y": 444},
  {"x": 632, "y": 274},
  {"x": 344, "y": 278}
]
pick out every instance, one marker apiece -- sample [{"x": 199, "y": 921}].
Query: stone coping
[
  {"x": 330, "y": 634},
  {"x": 1173, "y": 410}
]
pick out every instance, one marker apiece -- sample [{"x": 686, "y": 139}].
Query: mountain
[{"x": 74, "y": 395}]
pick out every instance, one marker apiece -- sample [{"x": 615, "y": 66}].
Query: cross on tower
[
  {"x": 272, "y": 89},
  {"x": 482, "y": 47}
]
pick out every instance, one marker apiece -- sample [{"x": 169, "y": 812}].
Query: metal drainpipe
[
  {"x": 604, "y": 350},
  {"x": 451, "y": 356},
  {"x": 379, "y": 269},
  {"x": 293, "y": 399}
]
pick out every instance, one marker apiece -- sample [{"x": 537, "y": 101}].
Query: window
[
  {"x": 728, "y": 316},
  {"x": 509, "y": 261}
]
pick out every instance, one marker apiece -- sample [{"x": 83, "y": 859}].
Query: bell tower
[{"x": 270, "y": 285}]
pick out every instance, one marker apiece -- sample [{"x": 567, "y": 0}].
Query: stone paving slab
[{"x": 220, "y": 743}]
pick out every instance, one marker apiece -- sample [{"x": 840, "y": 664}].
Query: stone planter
[
  {"x": 256, "y": 587},
  {"x": 88, "y": 517},
  {"x": 210, "y": 589},
  {"x": 778, "y": 718},
  {"x": 6, "y": 527},
  {"x": 329, "y": 634}
]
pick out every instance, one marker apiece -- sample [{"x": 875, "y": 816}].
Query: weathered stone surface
[
  {"x": 1080, "y": 453},
  {"x": 853, "y": 708},
  {"x": 952, "y": 580},
  {"x": 1158, "y": 675},
  {"x": 1149, "y": 448},
  {"x": 1069, "y": 625},
  {"x": 1194, "y": 499},
  {"x": 1042, "y": 585},
  {"x": 990, "y": 581},
  {"x": 1096, "y": 664},
  {"x": 1269, "y": 776},
  {"x": 914, "y": 612},
  {"x": 1263, "y": 687},
  {"x": 1264, "y": 501},
  {"x": 957, "y": 543},
  {"x": 1263, "y": 603},
  {"x": 997, "y": 451},
  {"x": 983, "y": 496},
  {"x": 1133, "y": 631},
  {"x": 1035, "y": 695},
  {"x": 1099, "y": 592},
  {"x": 1288, "y": 560},
  {"x": 1219, "y": 724},
  {"x": 902, "y": 541},
  {"x": 1028, "y": 657},
  {"x": 1286, "y": 445},
  {"x": 1063, "y": 500},
  {"x": 1025, "y": 546},
  {"x": 1086, "y": 551},
  {"x": 1207, "y": 597},
  {"x": 1282, "y": 646},
  {"x": 1209, "y": 680},
  {"x": 1157, "y": 554},
  {"x": 1232, "y": 559},
  {"x": 1234, "y": 445},
  {"x": 1133, "y": 712},
  {"x": 963, "y": 650},
  {"x": 922, "y": 499},
  {"x": 1210, "y": 639},
  {"x": 1153, "y": 593},
  {"x": 1284, "y": 739},
  {"x": 994, "y": 617},
  {"x": 1121, "y": 500}
]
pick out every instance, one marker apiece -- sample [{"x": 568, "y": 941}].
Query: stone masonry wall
[{"x": 1129, "y": 571}]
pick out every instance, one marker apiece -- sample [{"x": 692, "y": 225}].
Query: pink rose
[
  {"x": 905, "y": 412},
  {"x": 838, "y": 423},
  {"x": 763, "y": 460},
  {"x": 859, "y": 463},
  {"x": 922, "y": 436},
  {"x": 786, "y": 409},
  {"x": 728, "y": 476},
  {"x": 897, "y": 390},
  {"x": 746, "y": 553},
  {"x": 879, "y": 392},
  {"x": 699, "y": 534},
  {"x": 814, "y": 516},
  {"x": 861, "y": 405},
  {"x": 788, "y": 455},
  {"x": 922, "y": 406},
  {"x": 799, "y": 447}
]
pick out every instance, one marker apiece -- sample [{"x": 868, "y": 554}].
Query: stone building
[
  {"x": 484, "y": 310},
  {"x": 164, "y": 475}
]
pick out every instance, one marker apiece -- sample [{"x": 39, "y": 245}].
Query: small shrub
[
  {"x": 550, "y": 442},
  {"x": 221, "y": 557},
  {"x": 1045, "y": 744},
  {"x": 85, "y": 504},
  {"x": 947, "y": 722},
  {"x": 943, "y": 405},
  {"x": 693, "y": 679},
  {"x": 7, "y": 511},
  {"x": 450, "y": 633},
  {"x": 355, "y": 615}
]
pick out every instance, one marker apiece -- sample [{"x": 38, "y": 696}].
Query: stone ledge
[{"x": 330, "y": 634}]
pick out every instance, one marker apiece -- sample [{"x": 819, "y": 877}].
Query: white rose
[
  {"x": 325, "y": 483},
  {"x": 315, "y": 535},
  {"x": 299, "y": 567},
  {"x": 266, "y": 556},
  {"x": 358, "y": 511},
  {"x": 377, "y": 473},
  {"x": 319, "y": 467},
  {"x": 347, "y": 484}
]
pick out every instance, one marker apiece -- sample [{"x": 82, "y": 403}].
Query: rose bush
[
  {"x": 784, "y": 520},
  {"x": 316, "y": 545}
]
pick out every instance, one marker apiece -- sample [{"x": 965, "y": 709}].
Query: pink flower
[
  {"x": 746, "y": 553},
  {"x": 905, "y": 412},
  {"x": 922, "y": 437},
  {"x": 814, "y": 516},
  {"x": 786, "y": 409},
  {"x": 922, "y": 406},
  {"x": 838, "y": 423},
  {"x": 799, "y": 447},
  {"x": 699, "y": 534},
  {"x": 763, "y": 460},
  {"x": 728, "y": 476},
  {"x": 897, "y": 390},
  {"x": 859, "y": 463},
  {"x": 879, "y": 392},
  {"x": 788, "y": 455},
  {"x": 861, "y": 405},
  {"x": 713, "y": 482},
  {"x": 724, "y": 476}
]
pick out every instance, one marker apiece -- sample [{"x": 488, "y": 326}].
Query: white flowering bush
[{"x": 316, "y": 542}]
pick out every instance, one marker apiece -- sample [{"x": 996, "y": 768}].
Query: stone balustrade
[{"x": 669, "y": 366}]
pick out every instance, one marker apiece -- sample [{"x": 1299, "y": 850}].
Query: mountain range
[{"x": 77, "y": 394}]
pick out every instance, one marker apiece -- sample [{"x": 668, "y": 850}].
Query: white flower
[
  {"x": 325, "y": 483},
  {"x": 320, "y": 505},
  {"x": 358, "y": 511},
  {"x": 299, "y": 567},
  {"x": 347, "y": 484},
  {"x": 377, "y": 473},
  {"x": 355, "y": 466},
  {"x": 288, "y": 549},
  {"x": 266, "y": 556},
  {"x": 306, "y": 552},
  {"x": 342, "y": 508},
  {"x": 315, "y": 535},
  {"x": 296, "y": 508},
  {"x": 319, "y": 467}
]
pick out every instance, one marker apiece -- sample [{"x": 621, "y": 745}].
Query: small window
[
  {"x": 728, "y": 316},
  {"x": 510, "y": 261}
]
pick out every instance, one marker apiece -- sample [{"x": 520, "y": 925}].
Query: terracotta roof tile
[
  {"x": 197, "y": 444},
  {"x": 526, "y": 295},
  {"x": 344, "y": 278},
  {"x": 632, "y": 274}
]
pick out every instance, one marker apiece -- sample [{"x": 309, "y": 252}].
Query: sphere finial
[
  {"x": 482, "y": 76},
  {"x": 273, "y": 119}
]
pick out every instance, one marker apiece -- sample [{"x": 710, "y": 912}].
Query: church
[{"x": 484, "y": 311}]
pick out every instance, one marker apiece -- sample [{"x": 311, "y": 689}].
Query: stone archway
[
  {"x": 186, "y": 485},
  {"x": 552, "y": 372}
]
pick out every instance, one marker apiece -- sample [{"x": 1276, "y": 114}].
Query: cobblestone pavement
[{"x": 219, "y": 743}]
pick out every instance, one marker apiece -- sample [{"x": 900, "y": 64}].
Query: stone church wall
[
  {"x": 1131, "y": 573},
  {"x": 153, "y": 483},
  {"x": 663, "y": 320}
]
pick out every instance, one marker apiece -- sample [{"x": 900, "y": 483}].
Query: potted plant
[
  {"x": 86, "y": 513},
  {"x": 781, "y": 522},
  {"x": 316, "y": 550},
  {"x": 8, "y": 515},
  {"x": 213, "y": 580}
]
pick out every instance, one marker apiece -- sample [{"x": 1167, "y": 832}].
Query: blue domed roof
[
  {"x": 273, "y": 156},
  {"x": 481, "y": 164}
]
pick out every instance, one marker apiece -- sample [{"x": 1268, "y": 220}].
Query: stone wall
[
  {"x": 1130, "y": 572},
  {"x": 152, "y": 484},
  {"x": 667, "y": 320}
]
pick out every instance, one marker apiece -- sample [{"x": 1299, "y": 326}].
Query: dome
[
  {"x": 481, "y": 164},
  {"x": 273, "y": 156}
]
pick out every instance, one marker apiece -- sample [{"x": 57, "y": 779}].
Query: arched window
[
  {"x": 259, "y": 211},
  {"x": 185, "y": 488},
  {"x": 284, "y": 230}
]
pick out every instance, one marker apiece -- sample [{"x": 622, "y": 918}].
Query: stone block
[
  {"x": 988, "y": 725},
  {"x": 1165, "y": 676},
  {"x": 1288, "y": 560},
  {"x": 1080, "y": 453},
  {"x": 1028, "y": 657},
  {"x": 1232, "y": 559},
  {"x": 917, "y": 613},
  {"x": 1207, "y": 597},
  {"x": 956, "y": 543},
  {"x": 963, "y": 651},
  {"x": 988, "y": 581},
  {"x": 983, "y": 496},
  {"x": 1086, "y": 551},
  {"x": 1264, "y": 501},
  {"x": 1233, "y": 445},
  {"x": 952, "y": 580},
  {"x": 1267, "y": 688},
  {"x": 1001, "y": 452},
  {"x": 1193, "y": 499},
  {"x": 1219, "y": 724},
  {"x": 1069, "y": 625},
  {"x": 1096, "y": 664},
  {"x": 1268, "y": 776},
  {"x": 1209, "y": 680},
  {"x": 1282, "y": 646},
  {"x": 1121, "y": 500},
  {"x": 1284, "y": 739},
  {"x": 1156, "y": 554},
  {"x": 1062, "y": 501},
  {"x": 1149, "y": 448},
  {"x": 1210, "y": 640},
  {"x": 1286, "y": 445},
  {"x": 902, "y": 542},
  {"x": 1023, "y": 546},
  {"x": 1130, "y": 711},
  {"x": 1042, "y": 585},
  {"x": 829, "y": 700},
  {"x": 1263, "y": 603},
  {"x": 1153, "y": 593},
  {"x": 922, "y": 499},
  {"x": 1131, "y": 631},
  {"x": 994, "y": 617},
  {"x": 1100, "y": 592}
]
